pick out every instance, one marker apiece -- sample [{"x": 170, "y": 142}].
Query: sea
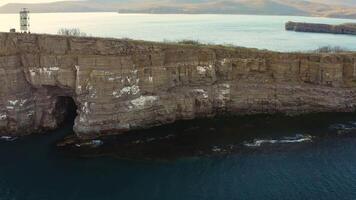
[
  {"x": 263, "y": 32},
  {"x": 245, "y": 157}
]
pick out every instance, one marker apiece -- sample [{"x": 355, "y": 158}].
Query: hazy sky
[{"x": 2, "y": 2}]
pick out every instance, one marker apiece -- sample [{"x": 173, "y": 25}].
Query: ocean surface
[
  {"x": 263, "y": 32},
  {"x": 307, "y": 157}
]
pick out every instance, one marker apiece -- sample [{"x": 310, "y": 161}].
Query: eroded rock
[{"x": 121, "y": 85}]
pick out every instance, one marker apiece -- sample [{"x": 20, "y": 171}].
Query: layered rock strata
[
  {"x": 121, "y": 85},
  {"x": 348, "y": 28}
]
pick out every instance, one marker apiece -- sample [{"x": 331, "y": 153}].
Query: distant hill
[
  {"x": 337, "y": 2},
  {"x": 325, "y": 8}
]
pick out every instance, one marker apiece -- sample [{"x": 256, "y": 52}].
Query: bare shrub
[
  {"x": 191, "y": 42},
  {"x": 331, "y": 49},
  {"x": 71, "y": 32}
]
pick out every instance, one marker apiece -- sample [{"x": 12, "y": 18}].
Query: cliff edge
[{"x": 120, "y": 85}]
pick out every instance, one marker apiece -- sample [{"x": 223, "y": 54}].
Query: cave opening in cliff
[{"x": 66, "y": 110}]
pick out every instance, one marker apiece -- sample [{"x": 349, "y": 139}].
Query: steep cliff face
[{"x": 121, "y": 85}]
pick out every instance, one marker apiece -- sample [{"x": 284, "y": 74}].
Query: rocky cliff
[
  {"x": 120, "y": 85},
  {"x": 349, "y": 28}
]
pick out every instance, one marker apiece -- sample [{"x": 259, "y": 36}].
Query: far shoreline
[{"x": 147, "y": 13}]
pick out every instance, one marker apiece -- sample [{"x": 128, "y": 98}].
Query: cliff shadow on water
[{"x": 223, "y": 135}]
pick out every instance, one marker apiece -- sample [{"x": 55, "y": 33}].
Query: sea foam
[{"x": 299, "y": 138}]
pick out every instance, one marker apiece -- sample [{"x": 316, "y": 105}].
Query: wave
[
  {"x": 299, "y": 138},
  {"x": 8, "y": 138},
  {"x": 343, "y": 128}
]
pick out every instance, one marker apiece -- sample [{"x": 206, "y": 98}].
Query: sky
[{"x": 3, "y": 2}]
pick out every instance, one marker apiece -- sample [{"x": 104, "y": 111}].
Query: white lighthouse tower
[{"x": 24, "y": 20}]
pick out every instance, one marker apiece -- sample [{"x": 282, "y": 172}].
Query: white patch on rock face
[
  {"x": 204, "y": 69},
  {"x": 32, "y": 72},
  {"x": 79, "y": 87},
  {"x": 14, "y": 102},
  {"x": 81, "y": 119},
  {"x": 224, "y": 93},
  {"x": 225, "y": 85},
  {"x": 133, "y": 90},
  {"x": 9, "y": 107},
  {"x": 43, "y": 71},
  {"x": 150, "y": 79},
  {"x": 114, "y": 78},
  {"x": 202, "y": 92},
  {"x": 93, "y": 95},
  {"x": 3, "y": 117},
  {"x": 92, "y": 91},
  {"x": 131, "y": 80},
  {"x": 22, "y": 102},
  {"x": 142, "y": 101},
  {"x": 129, "y": 90},
  {"x": 85, "y": 108},
  {"x": 30, "y": 113},
  {"x": 128, "y": 79},
  {"x": 223, "y": 61}
]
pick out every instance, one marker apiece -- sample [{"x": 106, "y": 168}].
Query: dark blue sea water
[{"x": 324, "y": 168}]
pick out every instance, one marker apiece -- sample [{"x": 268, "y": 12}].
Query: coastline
[
  {"x": 213, "y": 137},
  {"x": 121, "y": 85},
  {"x": 346, "y": 29},
  {"x": 148, "y": 13}
]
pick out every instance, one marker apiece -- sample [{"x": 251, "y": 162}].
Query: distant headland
[{"x": 348, "y": 28}]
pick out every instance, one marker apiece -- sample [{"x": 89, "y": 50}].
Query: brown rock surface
[{"x": 120, "y": 85}]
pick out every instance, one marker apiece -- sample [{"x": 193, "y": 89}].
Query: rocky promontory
[
  {"x": 121, "y": 85},
  {"x": 348, "y": 28}
]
